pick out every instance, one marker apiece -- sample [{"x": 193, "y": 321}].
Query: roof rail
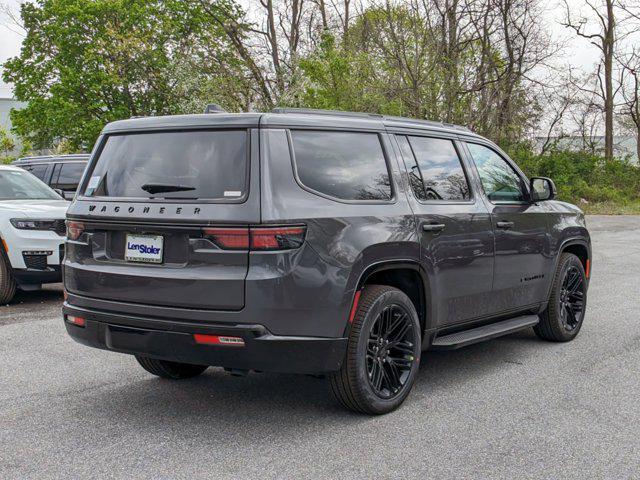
[
  {"x": 431, "y": 123},
  {"x": 51, "y": 157},
  {"x": 214, "y": 108},
  {"x": 457, "y": 127},
  {"x": 313, "y": 111},
  {"x": 317, "y": 111}
]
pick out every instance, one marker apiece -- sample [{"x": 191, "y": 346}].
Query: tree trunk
[
  {"x": 347, "y": 19},
  {"x": 451, "y": 48},
  {"x": 608, "y": 51},
  {"x": 273, "y": 41},
  {"x": 634, "y": 110},
  {"x": 323, "y": 14}
]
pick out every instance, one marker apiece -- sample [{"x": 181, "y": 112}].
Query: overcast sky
[{"x": 578, "y": 52}]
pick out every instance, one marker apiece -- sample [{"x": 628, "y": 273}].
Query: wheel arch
[
  {"x": 407, "y": 276},
  {"x": 577, "y": 246}
]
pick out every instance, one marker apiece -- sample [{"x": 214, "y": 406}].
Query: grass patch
[
  {"x": 596, "y": 185},
  {"x": 611, "y": 208}
]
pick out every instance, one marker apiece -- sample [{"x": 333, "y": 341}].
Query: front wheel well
[
  {"x": 407, "y": 280},
  {"x": 579, "y": 251}
]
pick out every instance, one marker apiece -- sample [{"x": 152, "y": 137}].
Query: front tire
[
  {"x": 7, "y": 282},
  {"x": 383, "y": 353},
  {"x": 170, "y": 370},
  {"x": 563, "y": 318}
]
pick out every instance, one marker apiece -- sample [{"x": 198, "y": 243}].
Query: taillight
[
  {"x": 74, "y": 230},
  {"x": 277, "y": 238},
  {"x": 256, "y": 238},
  {"x": 229, "y": 238}
]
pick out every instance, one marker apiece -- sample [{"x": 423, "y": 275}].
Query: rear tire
[
  {"x": 563, "y": 318},
  {"x": 383, "y": 353},
  {"x": 170, "y": 370},
  {"x": 7, "y": 282}
]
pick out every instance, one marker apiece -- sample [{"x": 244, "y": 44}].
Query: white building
[
  {"x": 623, "y": 146},
  {"x": 7, "y": 102}
]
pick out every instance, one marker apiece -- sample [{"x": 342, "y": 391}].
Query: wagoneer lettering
[{"x": 145, "y": 210}]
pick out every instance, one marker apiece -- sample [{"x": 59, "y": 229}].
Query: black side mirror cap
[{"x": 542, "y": 188}]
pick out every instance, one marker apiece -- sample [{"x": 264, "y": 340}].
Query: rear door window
[
  {"x": 435, "y": 168},
  {"x": 189, "y": 165},
  {"x": 69, "y": 175},
  {"x": 342, "y": 165},
  {"x": 39, "y": 170}
]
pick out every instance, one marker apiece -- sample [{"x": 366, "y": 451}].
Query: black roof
[
  {"x": 76, "y": 157},
  {"x": 285, "y": 117}
]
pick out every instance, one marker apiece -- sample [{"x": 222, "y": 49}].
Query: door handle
[
  {"x": 433, "y": 227},
  {"x": 505, "y": 225}
]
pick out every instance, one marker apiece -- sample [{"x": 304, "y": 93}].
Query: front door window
[{"x": 500, "y": 181}]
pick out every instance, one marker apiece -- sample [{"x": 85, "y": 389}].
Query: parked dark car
[
  {"x": 60, "y": 172},
  {"x": 314, "y": 242}
]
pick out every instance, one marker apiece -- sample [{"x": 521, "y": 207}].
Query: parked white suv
[{"x": 32, "y": 228}]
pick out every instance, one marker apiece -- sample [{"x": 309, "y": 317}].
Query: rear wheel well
[
  {"x": 579, "y": 251},
  {"x": 406, "y": 280}
]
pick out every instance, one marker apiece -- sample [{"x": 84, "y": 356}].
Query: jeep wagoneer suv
[{"x": 314, "y": 242}]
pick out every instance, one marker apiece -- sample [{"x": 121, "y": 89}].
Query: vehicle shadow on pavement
[
  {"x": 440, "y": 369},
  {"x": 259, "y": 400},
  {"x": 21, "y": 309},
  {"x": 48, "y": 293}
]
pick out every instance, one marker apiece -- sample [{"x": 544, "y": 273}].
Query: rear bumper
[{"x": 174, "y": 341}]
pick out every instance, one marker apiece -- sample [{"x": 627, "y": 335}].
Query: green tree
[
  {"x": 7, "y": 145},
  {"x": 433, "y": 60},
  {"x": 84, "y": 63},
  {"x": 339, "y": 78}
]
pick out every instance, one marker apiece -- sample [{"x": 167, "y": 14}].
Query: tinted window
[
  {"x": 499, "y": 180},
  {"x": 415, "y": 177},
  {"x": 345, "y": 165},
  {"x": 439, "y": 167},
  {"x": 184, "y": 165},
  {"x": 39, "y": 171},
  {"x": 70, "y": 175}
]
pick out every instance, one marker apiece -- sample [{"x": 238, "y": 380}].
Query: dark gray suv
[
  {"x": 60, "y": 172},
  {"x": 314, "y": 242}
]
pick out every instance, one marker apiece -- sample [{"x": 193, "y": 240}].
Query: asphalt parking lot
[{"x": 515, "y": 407}]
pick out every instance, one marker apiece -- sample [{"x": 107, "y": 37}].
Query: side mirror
[
  {"x": 60, "y": 192},
  {"x": 542, "y": 188}
]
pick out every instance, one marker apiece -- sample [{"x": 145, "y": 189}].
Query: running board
[{"x": 486, "y": 332}]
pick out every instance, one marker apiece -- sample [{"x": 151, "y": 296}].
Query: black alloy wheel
[
  {"x": 563, "y": 318},
  {"x": 383, "y": 352},
  {"x": 390, "y": 351},
  {"x": 572, "y": 298}
]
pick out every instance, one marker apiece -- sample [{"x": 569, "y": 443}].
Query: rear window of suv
[
  {"x": 188, "y": 165},
  {"x": 342, "y": 165}
]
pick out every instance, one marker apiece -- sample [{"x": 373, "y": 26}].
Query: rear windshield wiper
[{"x": 153, "y": 188}]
